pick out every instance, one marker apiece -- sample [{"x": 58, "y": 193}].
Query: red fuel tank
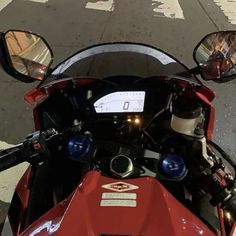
[{"x": 102, "y": 206}]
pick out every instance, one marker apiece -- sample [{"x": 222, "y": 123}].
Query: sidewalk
[{"x": 9, "y": 178}]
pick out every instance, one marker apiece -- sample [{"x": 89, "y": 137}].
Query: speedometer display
[{"x": 119, "y": 102}]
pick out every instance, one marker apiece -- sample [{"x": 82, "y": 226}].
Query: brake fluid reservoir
[{"x": 186, "y": 116}]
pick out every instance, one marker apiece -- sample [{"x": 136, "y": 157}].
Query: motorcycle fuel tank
[{"x": 102, "y": 206}]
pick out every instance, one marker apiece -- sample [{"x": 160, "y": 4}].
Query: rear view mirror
[
  {"x": 216, "y": 56},
  {"x": 29, "y": 55}
]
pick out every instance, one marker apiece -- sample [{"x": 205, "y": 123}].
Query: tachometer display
[{"x": 117, "y": 102}]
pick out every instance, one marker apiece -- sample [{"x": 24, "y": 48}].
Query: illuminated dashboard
[{"x": 121, "y": 102}]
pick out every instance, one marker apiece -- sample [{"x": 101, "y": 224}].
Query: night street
[{"x": 71, "y": 25}]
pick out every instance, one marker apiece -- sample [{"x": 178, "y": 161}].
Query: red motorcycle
[{"x": 122, "y": 145}]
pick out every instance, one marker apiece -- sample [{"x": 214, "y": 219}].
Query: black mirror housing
[
  {"x": 215, "y": 56},
  {"x": 24, "y": 55}
]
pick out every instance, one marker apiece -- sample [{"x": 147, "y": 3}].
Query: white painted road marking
[
  {"x": 161, "y": 8},
  {"x": 101, "y": 5},
  {"x": 4, "y": 145},
  {"x": 229, "y": 9},
  {"x": 10, "y": 177},
  {"x": 4, "y": 3},
  {"x": 167, "y": 8}
]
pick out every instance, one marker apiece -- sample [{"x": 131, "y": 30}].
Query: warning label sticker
[
  {"x": 120, "y": 186},
  {"x": 117, "y": 202},
  {"x": 119, "y": 196}
]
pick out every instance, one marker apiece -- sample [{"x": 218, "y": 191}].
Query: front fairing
[
  {"x": 125, "y": 207},
  {"x": 148, "y": 208}
]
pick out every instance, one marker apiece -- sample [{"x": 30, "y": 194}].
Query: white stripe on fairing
[
  {"x": 167, "y": 8},
  {"x": 101, "y": 5},
  {"x": 41, "y": 1},
  {"x": 4, "y": 3},
  {"x": 229, "y": 9}
]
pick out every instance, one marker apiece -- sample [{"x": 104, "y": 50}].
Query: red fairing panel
[{"x": 119, "y": 207}]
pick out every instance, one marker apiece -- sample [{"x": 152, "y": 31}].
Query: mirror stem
[{"x": 195, "y": 70}]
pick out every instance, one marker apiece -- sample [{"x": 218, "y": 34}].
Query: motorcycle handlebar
[
  {"x": 29, "y": 150},
  {"x": 35, "y": 144},
  {"x": 11, "y": 157}
]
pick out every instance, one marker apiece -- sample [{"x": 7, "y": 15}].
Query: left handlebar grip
[
  {"x": 30, "y": 150},
  {"x": 11, "y": 158}
]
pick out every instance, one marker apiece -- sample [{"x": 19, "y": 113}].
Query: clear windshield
[{"x": 115, "y": 59}]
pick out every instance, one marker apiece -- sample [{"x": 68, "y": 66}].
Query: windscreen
[{"x": 115, "y": 59}]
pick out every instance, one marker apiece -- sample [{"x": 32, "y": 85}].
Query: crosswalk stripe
[
  {"x": 101, "y": 5},
  {"x": 5, "y": 145},
  {"x": 10, "y": 177},
  {"x": 4, "y": 3},
  {"x": 170, "y": 9},
  {"x": 228, "y": 7},
  {"x": 161, "y": 8}
]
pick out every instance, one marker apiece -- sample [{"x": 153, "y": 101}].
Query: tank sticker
[
  {"x": 120, "y": 186},
  {"x": 118, "y": 202},
  {"x": 119, "y": 196}
]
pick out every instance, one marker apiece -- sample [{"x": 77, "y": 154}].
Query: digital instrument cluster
[{"x": 121, "y": 102}]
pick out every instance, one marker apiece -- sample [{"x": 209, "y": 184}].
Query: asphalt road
[{"x": 69, "y": 26}]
